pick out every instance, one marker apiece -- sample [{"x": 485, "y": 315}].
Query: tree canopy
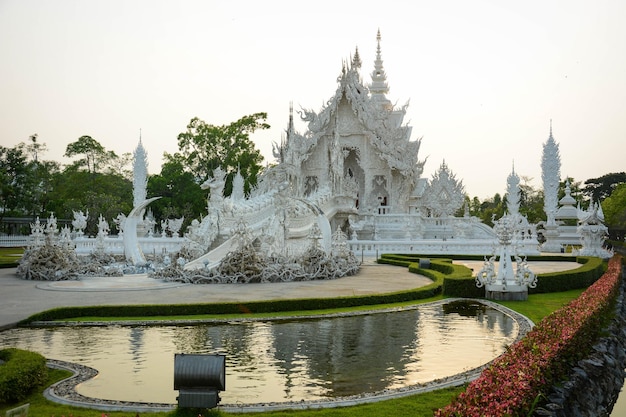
[
  {"x": 181, "y": 195},
  {"x": 25, "y": 179},
  {"x": 614, "y": 207},
  {"x": 205, "y": 147},
  {"x": 600, "y": 188},
  {"x": 95, "y": 156}
]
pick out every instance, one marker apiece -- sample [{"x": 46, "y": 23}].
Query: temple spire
[
  {"x": 356, "y": 60},
  {"x": 379, "y": 86}
]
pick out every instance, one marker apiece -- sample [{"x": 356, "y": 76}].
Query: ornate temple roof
[{"x": 380, "y": 120}]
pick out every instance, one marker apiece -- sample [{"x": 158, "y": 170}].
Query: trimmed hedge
[
  {"x": 275, "y": 306},
  {"x": 20, "y": 374},
  {"x": 591, "y": 269},
  {"x": 516, "y": 380},
  {"x": 449, "y": 279},
  {"x": 460, "y": 281},
  {"x": 415, "y": 257}
]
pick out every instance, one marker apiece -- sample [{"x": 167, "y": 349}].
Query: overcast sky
[{"x": 483, "y": 77}]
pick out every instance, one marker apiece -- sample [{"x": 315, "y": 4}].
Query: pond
[{"x": 282, "y": 360}]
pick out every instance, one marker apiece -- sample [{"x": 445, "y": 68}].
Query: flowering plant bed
[{"x": 515, "y": 381}]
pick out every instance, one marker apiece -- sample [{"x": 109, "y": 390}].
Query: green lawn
[
  {"x": 537, "y": 307},
  {"x": 10, "y": 256},
  {"x": 540, "y": 305}
]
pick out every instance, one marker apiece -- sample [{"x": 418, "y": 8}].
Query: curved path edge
[{"x": 64, "y": 392}]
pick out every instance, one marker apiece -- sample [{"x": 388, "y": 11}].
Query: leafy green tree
[
  {"x": 531, "y": 201},
  {"x": 13, "y": 180},
  {"x": 94, "y": 155},
  {"x": 25, "y": 180},
  {"x": 204, "y": 147},
  {"x": 600, "y": 188},
  {"x": 614, "y": 208},
  {"x": 99, "y": 193},
  {"x": 492, "y": 208},
  {"x": 180, "y": 194}
]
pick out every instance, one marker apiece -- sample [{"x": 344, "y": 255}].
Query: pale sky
[{"x": 483, "y": 77}]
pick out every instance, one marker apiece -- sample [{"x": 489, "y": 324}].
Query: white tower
[
  {"x": 551, "y": 176},
  {"x": 140, "y": 173}
]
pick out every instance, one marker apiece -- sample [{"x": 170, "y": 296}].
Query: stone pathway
[{"x": 20, "y": 299}]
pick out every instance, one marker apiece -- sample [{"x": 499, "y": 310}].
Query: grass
[
  {"x": 415, "y": 405},
  {"x": 10, "y": 256},
  {"x": 540, "y": 305},
  {"x": 537, "y": 307}
]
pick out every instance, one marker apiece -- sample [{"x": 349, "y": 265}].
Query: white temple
[
  {"x": 352, "y": 182},
  {"x": 354, "y": 169}
]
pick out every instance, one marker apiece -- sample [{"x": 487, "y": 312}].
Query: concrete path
[{"x": 20, "y": 299}]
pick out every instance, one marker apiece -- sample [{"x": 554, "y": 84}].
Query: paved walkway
[{"x": 20, "y": 299}]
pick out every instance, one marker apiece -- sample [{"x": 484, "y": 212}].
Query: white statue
[
  {"x": 103, "y": 226},
  {"x": 80, "y": 221},
  {"x": 119, "y": 223},
  {"x": 174, "y": 226},
  {"x": 215, "y": 185}
]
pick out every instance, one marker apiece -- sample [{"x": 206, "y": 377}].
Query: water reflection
[{"x": 282, "y": 360}]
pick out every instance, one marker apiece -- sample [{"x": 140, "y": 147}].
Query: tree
[
  {"x": 180, "y": 194},
  {"x": 95, "y": 156},
  {"x": 13, "y": 180},
  {"x": 204, "y": 147},
  {"x": 98, "y": 193},
  {"x": 492, "y": 208},
  {"x": 531, "y": 201},
  {"x": 25, "y": 182},
  {"x": 600, "y": 188},
  {"x": 614, "y": 208}
]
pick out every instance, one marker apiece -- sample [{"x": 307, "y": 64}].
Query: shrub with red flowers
[{"x": 515, "y": 380}]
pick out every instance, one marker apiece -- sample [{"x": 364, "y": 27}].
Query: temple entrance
[{"x": 353, "y": 171}]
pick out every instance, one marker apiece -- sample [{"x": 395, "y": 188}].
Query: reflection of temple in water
[
  {"x": 350, "y": 355},
  {"x": 278, "y": 361}
]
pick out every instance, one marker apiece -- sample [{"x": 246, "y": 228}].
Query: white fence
[
  {"x": 14, "y": 241},
  {"x": 112, "y": 244},
  {"x": 115, "y": 245},
  {"x": 433, "y": 247}
]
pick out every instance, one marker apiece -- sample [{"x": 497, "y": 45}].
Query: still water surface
[{"x": 278, "y": 361}]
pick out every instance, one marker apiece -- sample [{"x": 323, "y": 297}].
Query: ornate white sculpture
[
  {"x": 593, "y": 232},
  {"x": 37, "y": 233},
  {"x": 119, "y": 223},
  {"x": 103, "y": 226},
  {"x": 80, "y": 222},
  {"x": 174, "y": 225},
  {"x": 51, "y": 226},
  {"x": 502, "y": 283},
  {"x": 238, "y": 191},
  {"x": 215, "y": 185}
]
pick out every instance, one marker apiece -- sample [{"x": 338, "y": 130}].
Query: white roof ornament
[
  {"x": 356, "y": 60},
  {"x": 379, "y": 87}
]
